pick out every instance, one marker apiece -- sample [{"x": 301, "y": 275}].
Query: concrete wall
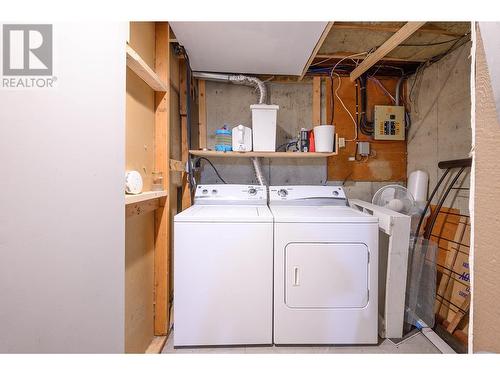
[
  {"x": 62, "y": 218},
  {"x": 486, "y": 222},
  {"x": 441, "y": 119},
  {"x": 230, "y": 104}
]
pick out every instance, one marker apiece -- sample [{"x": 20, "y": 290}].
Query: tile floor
[{"x": 413, "y": 345}]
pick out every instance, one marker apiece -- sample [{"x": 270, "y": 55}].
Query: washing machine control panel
[
  {"x": 231, "y": 194},
  {"x": 302, "y": 194}
]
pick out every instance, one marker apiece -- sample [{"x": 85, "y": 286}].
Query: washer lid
[
  {"x": 226, "y": 214},
  {"x": 320, "y": 214}
]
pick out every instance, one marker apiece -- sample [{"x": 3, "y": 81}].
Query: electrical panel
[{"x": 389, "y": 122}]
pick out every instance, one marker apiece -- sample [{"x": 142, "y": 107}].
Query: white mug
[{"x": 323, "y": 138}]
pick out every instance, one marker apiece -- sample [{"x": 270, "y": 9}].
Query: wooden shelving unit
[
  {"x": 145, "y": 196},
  {"x": 290, "y": 155},
  {"x": 148, "y": 75},
  {"x": 260, "y": 154}
]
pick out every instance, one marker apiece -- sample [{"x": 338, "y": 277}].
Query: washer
[
  {"x": 325, "y": 268},
  {"x": 223, "y": 268}
]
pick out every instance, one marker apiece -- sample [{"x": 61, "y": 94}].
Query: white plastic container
[
  {"x": 264, "y": 126},
  {"x": 417, "y": 185},
  {"x": 323, "y": 138}
]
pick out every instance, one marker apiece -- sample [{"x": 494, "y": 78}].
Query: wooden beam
[
  {"x": 183, "y": 96},
  {"x": 142, "y": 69},
  {"x": 316, "y": 101},
  {"x": 162, "y": 164},
  {"x": 202, "y": 118},
  {"x": 391, "y": 28},
  {"x": 399, "y": 37},
  {"x": 316, "y": 48}
]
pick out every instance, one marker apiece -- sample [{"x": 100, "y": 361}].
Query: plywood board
[
  {"x": 389, "y": 162},
  {"x": 139, "y": 261},
  {"x": 139, "y": 239},
  {"x": 139, "y": 133}
]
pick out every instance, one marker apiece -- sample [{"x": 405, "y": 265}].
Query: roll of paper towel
[{"x": 417, "y": 185}]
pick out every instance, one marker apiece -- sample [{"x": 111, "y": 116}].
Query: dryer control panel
[
  {"x": 308, "y": 195},
  {"x": 230, "y": 194}
]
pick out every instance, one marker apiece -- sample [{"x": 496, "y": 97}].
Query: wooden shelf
[
  {"x": 145, "y": 196},
  {"x": 252, "y": 154},
  {"x": 139, "y": 66}
]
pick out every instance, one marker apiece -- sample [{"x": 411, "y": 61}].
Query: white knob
[{"x": 282, "y": 193}]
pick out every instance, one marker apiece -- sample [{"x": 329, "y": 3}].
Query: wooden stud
[
  {"x": 140, "y": 208},
  {"x": 142, "y": 69},
  {"x": 316, "y": 48},
  {"x": 316, "y": 101},
  {"x": 177, "y": 166},
  {"x": 202, "y": 118},
  {"x": 162, "y": 164},
  {"x": 186, "y": 193},
  {"x": 399, "y": 37}
]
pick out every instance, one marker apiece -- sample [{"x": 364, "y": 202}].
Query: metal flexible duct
[
  {"x": 258, "y": 171},
  {"x": 237, "y": 79}
]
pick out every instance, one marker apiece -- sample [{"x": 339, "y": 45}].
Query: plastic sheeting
[{"x": 421, "y": 283}]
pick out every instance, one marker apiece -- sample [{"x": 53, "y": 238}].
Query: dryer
[
  {"x": 325, "y": 267},
  {"x": 223, "y": 268}
]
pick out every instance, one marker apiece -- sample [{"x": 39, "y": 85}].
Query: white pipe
[{"x": 237, "y": 79}]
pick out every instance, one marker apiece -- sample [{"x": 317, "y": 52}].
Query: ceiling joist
[
  {"x": 392, "y": 28},
  {"x": 316, "y": 49},
  {"x": 399, "y": 37}
]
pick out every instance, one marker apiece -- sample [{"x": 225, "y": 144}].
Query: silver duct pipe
[
  {"x": 237, "y": 79},
  {"x": 258, "y": 172}
]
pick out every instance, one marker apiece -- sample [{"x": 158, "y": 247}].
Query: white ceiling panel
[{"x": 249, "y": 47}]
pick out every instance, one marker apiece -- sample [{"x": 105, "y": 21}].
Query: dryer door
[{"x": 326, "y": 275}]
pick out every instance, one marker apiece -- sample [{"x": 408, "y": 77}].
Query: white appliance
[
  {"x": 394, "y": 238},
  {"x": 242, "y": 138},
  {"x": 223, "y": 268},
  {"x": 264, "y": 119},
  {"x": 325, "y": 267}
]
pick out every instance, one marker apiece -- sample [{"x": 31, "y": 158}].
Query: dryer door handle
[{"x": 296, "y": 276}]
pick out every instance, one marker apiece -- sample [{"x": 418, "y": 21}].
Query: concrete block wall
[
  {"x": 441, "y": 120},
  {"x": 230, "y": 104}
]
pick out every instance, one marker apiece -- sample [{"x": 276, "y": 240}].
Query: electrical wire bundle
[{"x": 366, "y": 127}]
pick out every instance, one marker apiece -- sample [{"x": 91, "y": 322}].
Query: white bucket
[
  {"x": 324, "y": 136},
  {"x": 264, "y": 127}
]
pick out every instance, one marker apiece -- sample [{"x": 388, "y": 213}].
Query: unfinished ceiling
[
  {"x": 249, "y": 47},
  {"x": 430, "y": 41}
]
